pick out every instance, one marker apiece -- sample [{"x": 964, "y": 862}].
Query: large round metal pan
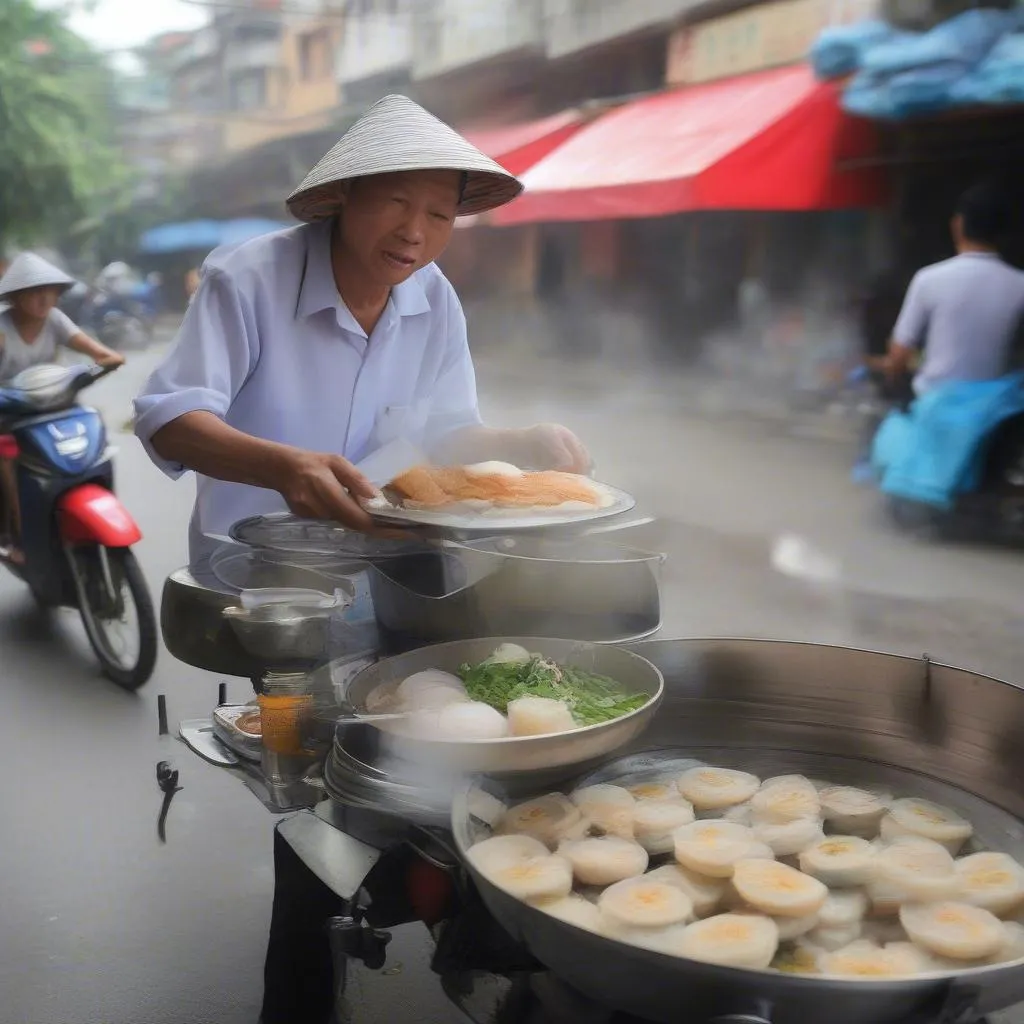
[
  {"x": 774, "y": 707},
  {"x": 469, "y": 521},
  {"x": 525, "y": 753}
]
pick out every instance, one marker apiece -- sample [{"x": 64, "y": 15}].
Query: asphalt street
[{"x": 101, "y": 924}]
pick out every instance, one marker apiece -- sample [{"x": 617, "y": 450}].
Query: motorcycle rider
[
  {"x": 32, "y": 329},
  {"x": 966, "y": 313}
]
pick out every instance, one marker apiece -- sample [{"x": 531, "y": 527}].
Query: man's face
[
  {"x": 394, "y": 224},
  {"x": 36, "y": 303}
]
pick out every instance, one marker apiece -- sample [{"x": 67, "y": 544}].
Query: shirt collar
[{"x": 318, "y": 291}]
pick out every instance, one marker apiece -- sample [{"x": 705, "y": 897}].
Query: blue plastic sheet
[
  {"x": 998, "y": 79},
  {"x": 932, "y": 453},
  {"x": 868, "y": 96},
  {"x": 839, "y": 51},
  {"x": 925, "y": 90},
  {"x": 975, "y": 58},
  {"x": 966, "y": 39}
]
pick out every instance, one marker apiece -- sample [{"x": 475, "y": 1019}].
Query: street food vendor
[{"x": 307, "y": 350}]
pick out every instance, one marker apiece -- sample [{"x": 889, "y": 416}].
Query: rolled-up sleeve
[
  {"x": 453, "y": 403},
  {"x": 215, "y": 351},
  {"x": 912, "y": 325}
]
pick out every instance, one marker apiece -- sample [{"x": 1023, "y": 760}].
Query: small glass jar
[{"x": 285, "y": 703}]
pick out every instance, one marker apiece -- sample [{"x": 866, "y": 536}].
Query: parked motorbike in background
[
  {"x": 121, "y": 318},
  {"x": 72, "y": 538}
]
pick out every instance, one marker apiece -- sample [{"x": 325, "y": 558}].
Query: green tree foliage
[{"x": 58, "y": 162}]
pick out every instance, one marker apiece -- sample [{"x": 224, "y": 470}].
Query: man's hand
[
  {"x": 552, "y": 446},
  {"x": 111, "y": 359},
  {"x": 319, "y": 486},
  {"x": 545, "y": 446}
]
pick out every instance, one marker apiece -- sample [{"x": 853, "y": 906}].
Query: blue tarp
[
  {"x": 204, "y": 235},
  {"x": 999, "y": 78},
  {"x": 974, "y": 58},
  {"x": 932, "y": 453},
  {"x": 839, "y": 51}
]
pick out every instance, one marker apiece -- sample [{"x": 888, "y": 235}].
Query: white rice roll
[
  {"x": 790, "y": 838},
  {"x": 705, "y": 892},
  {"x": 608, "y": 808},
  {"x": 430, "y": 690},
  {"x": 522, "y": 867},
  {"x": 655, "y": 821},
  {"x": 549, "y": 819},
  {"x": 604, "y": 860},
  {"x": 539, "y": 716},
  {"x": 572, "y": 909},
  {"x": 839, "y": 861},
  {"x": 844, "y": 907},
  {"x": 471, "y": 721},
  {"x": 852, "y": 811},
  {"x": 837, "y": 937}
]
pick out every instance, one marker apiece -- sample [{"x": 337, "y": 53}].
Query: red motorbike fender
[{"x": 90, "y": 514}]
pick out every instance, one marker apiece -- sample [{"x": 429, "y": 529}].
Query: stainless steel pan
[
  {"x": 528, "y": 753},
  {"x": 590, "y": 589},
  {"x": 927, "y": 729}
]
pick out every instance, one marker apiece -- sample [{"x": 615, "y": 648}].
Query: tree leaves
[{"x": 57, "y": 159}]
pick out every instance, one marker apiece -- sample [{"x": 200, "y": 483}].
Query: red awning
[
  {"x": 517, "y": 147},
  {"x": 769, "y": 141}
]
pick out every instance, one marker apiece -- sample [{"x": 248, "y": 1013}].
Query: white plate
[{"x": 504, "y": 519}]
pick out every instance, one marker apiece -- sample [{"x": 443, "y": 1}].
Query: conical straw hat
[
  {"x": 396, "y": 134},
  {"x": 31, "y": 271}
]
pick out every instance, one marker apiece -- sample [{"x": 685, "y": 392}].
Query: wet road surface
[{"x": 103, "y": 925}]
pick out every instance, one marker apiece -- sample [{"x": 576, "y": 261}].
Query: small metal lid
[{"x": 285, "y": 532}]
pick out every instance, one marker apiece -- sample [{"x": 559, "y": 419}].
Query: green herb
[{"x": 592, "y": 699}]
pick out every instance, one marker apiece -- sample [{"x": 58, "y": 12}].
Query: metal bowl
[
  {"x": 195, "y": 619},
  {"x": 300, "y": 628},
  {"x": 533, "y": 586},
  {"x": 779, "y": 707},
  {"x": 514, "y": 755}
]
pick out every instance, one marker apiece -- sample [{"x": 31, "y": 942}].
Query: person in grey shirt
[
  {"x": 965, "y": 313},
  {"x": 32, "y": 328}
]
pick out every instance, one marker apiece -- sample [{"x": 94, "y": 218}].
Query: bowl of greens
[{"x": 510, "y": 704}]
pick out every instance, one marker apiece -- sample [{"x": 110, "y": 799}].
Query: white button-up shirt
[{"x": 269, "y": 346}]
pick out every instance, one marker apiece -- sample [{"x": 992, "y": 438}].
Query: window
[
  {"x": 249, "y": 91},
  {"x": 315, "y": 56}
]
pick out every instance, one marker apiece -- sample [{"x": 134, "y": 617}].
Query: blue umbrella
[
  {"x": 204, "y": 235},
  {"x": 235, "y": 232},
  {"x": 182, "y": 237}
]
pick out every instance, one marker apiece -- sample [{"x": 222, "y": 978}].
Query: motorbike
[
  {"x": 74, "y": 548},
  {"x": 950, "y": 464},
  {"x": 121, "y": 322}
]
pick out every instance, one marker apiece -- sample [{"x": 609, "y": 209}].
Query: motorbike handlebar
[{"x": 91, "y": 374}]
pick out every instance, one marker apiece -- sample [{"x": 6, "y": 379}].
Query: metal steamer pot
[
  {"x": 515, "y": 755},
  {"x": 201, "y": 623},
  {"x": 527, "y": 585},
  {"x": 775, "y": 707}
]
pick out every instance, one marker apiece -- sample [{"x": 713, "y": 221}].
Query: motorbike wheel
[
  {"x": 920, "y": 521},
  {"x": 117, "y": 612}
]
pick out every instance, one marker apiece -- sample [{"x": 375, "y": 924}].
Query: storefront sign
[{"x": 767, "y": 36}]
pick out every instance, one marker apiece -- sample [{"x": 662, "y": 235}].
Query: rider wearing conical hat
[
  {"x": 305, "y": 351},
  {"x": 32, "y": 328},
  {"x": 32, "y": 331}
]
